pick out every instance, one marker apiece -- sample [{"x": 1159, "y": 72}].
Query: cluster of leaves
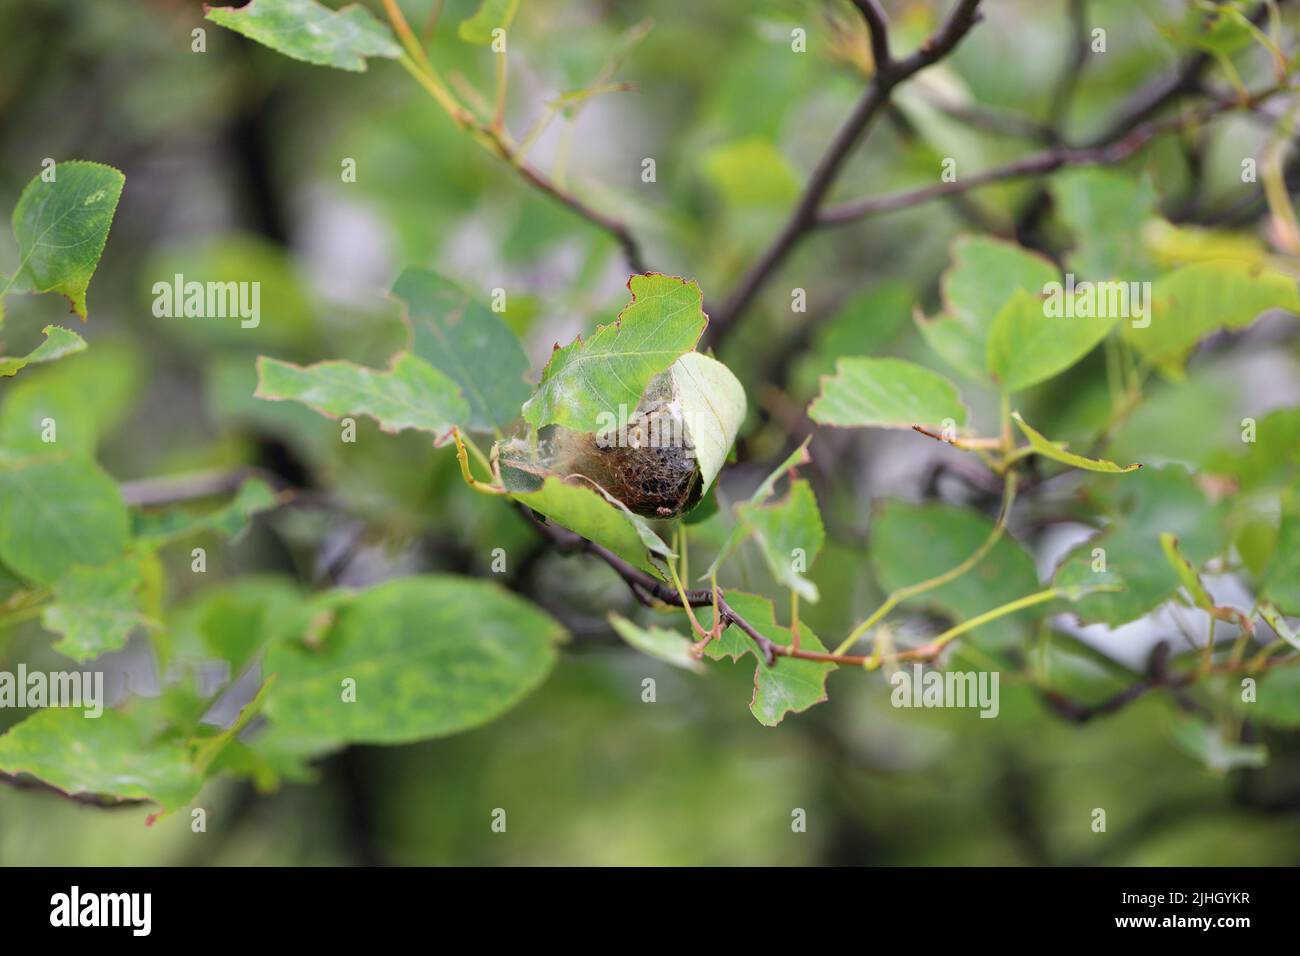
[{"x": 432, "y": 654}]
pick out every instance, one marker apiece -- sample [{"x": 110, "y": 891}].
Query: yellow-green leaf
[{"x": 1056, "y": 451}]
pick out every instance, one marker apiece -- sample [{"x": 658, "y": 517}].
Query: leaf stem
[
  {"x": 1002, "y": 610},
  {"x": 912, "y": 590},
  {"x": 484, "y": 487}
]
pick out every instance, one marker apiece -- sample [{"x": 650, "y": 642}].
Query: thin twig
[
  {"x": 878, "y": 27},
  {"x": 1081, "y": 713},
  {"x": 804, "y": 218},
  {"x": 493, "y": 136},
  {"x": 170, "y": 489},
  {"x": 1063, "y": 94},
  {"x": 1037, "y": 164},
  {"x": 1162, "y": 91}
]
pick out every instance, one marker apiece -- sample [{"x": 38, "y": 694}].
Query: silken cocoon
[{"x": 659, "y": 460}]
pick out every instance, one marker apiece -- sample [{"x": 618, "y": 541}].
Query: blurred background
[{"x": 233, "y": 160}]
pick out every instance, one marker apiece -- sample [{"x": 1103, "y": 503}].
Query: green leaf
[
  {"x": 1205, "y": 742},
  {"x": 1142, "y": 506},
  {"x": 409, "y": 394},
  {"x": 886, "y": 393},
  {"x": 912, "y": 543},
  {"x": 233, "y": 621},
  {"x": 789, "y": 534},
  {"x": 657, "y": 642},
  {"x": 1277, "y": 698},
  {"x": 309, "y": 31},
  {"x": 58, "y": 343},
  {"x": 1190, "y": 579},
  {"x": 61, "y": 228},
  {"x": 1223, "y": 32},
  {"x": 430, "y": 656},
  {"x": 491, "y": 15},
  {"x": 1279, "y": 624},
  {"x": 467, "y": 342},
  {"x": 751, "y": 172},
  {"x": 1271, "y": 461},
  {"x": 1280, "y": 584},
  {"x": 863, "y": 325},
  {"x": 95, "y": 608},
  {"x": 790, "y": 685},
  {"x": 713, "y": 406},
  {"x": 1027, "y": 345},
  {"x": 57, "y": 512},
  {"x": 115, "y": 754},
  {"x": 1192, "y": 302},
  {"x": 599, "y": 519},
  {"x": 984, "y": 274},
  {"x": 1056, "y": 451},
  {"x": 164, "y": 526},
  {"x": 86, "y": 396},
  {"x": 585, "y": 382},
  {"x": 764, "y": 491},
  {"x": 1106, "y": 210}
]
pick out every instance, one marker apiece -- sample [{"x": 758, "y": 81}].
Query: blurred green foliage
[{"x": 233, "y": 160}]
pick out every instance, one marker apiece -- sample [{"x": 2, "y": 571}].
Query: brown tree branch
[
  {"x": 494, "y": 137},
  {"x": 1162, "y": 91},
  {"x": 878, "y": 27},
  {"x": 170, "y": 489},
  {"x": 1080, "y": 713},
  {"x": 804, "y": 218},
  {"x": 1040, "y": 163},
  {"x": 1063, "y": 93}
]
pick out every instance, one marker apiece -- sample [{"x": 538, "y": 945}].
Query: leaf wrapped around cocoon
[
  {"x": 713, "y": 406},
  {"x": 607, "y": 374},
  {"x": 660, "y": 458}
]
